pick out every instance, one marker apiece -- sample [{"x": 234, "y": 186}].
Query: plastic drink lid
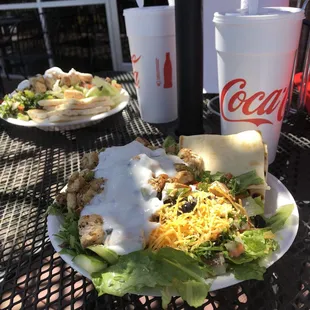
[{"x": 264, "y": 15}]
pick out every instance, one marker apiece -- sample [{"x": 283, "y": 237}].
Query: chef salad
[{"x": 138, "y": 217}]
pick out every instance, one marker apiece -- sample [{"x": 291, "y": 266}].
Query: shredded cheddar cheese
[{"x": 187, "y": 231}]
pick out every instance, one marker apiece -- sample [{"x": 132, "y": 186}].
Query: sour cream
[{"x": 128, "y": 201}]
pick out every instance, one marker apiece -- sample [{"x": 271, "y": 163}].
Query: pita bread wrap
[{"x": 236, "y": 154}]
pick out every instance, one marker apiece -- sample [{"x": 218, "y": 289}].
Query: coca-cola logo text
[
  {"x": 134, "y": 60},
  {"x": 247, "y": 104}
]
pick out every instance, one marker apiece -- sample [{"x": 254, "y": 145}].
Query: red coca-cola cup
[{"x": 255, "y": 55}]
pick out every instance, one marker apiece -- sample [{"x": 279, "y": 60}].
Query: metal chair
[
  {"x": 79, "y": 38},
  {"x": 23, "y": 48}
]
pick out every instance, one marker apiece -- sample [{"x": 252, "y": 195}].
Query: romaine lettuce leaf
[
  {"x": 249, "y": 271},
  {"x": 181, "y": 266},
  {"x": 168, "y": 269},
  {"x": 277, "y": 221},
  {"x": 132, "y": 272},
  {"x": 192, "y": 291}
]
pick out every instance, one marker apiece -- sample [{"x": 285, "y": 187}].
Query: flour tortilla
[
  {"x": 71, "y": 112},
  {"x": 56, "y": 102},
  {"x": 78, "y": 106},
  {"x": 40, "y": 116},
  {"x": 37, "y": 115},
  {"x": 64, "y": 118},
  {"x": 238, "y": 153}
]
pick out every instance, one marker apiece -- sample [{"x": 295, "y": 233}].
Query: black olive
[
  {"x": 256, "y": 195},
  {"x": 259, "y": 221},
  {"x": 109, "y": 231},
  {"x": 189, "y": 206},
  {"x": 154, "y": 218},
  {"x": 159, "y": 195},
  {"x": 170, "y": 200}
]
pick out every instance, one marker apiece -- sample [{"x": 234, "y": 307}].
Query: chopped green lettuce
[
  {"x": 176, "y": 192},
  {"x": 277, "y": 221},
  {"x": 170, "y": 145},
  {"x": 22, "y": 117},
  {"x": 208, "y": 249},
  {"x": 237, "y": 184},
  {"x": 253, "y": 206},
  {"x": 203, "y": 186},
  {"x": 205, "y": 177},
  {"x": 256, "y": 245},
  {"x": 105, "y": 88},
  {"x": 57, "y": 91},
  {"x": 16, "y": 104},
  {"x": 69, "y": 234},
  {"x": 240, "y": 260},
  {"x": 56, "y": 209},
  {"x": 220, "y": 177},
  {"x": 93, "y": 92},
  {"x": 240, "y": 183}
]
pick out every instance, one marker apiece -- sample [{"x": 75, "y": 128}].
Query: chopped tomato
[
  {"x": 237, "y": 251},
  {"x": 21, "y": 108},
  {"x": 228, "y": 176},
  {"x": 86, "y": 85}
]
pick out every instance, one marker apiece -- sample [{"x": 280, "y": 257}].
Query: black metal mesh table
[{"x": 34, "y": 165}]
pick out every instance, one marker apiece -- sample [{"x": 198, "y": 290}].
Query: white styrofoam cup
[
  {"x": 210, "y": 84},
  {"x": 151, "y": 35},
  {"x": 255, "y": 55}
]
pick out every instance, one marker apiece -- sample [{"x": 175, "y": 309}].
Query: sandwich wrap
[{"x": 236, "y": 154}]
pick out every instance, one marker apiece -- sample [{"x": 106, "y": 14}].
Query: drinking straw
[
  {"x": 253, "y": 7},
  {"x": 140, "y": 3},
  {"x": 249, "y": 6},
  {"x": 244, "y": 6}
]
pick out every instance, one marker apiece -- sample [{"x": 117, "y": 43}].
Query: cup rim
[
  {"x": 288, "y": 13},
  {"x": 150, "y": 10}
]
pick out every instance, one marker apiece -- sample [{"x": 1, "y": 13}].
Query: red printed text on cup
[
  {"x": 167, "y": 72},
  {"x": 158, "y": 81},
  {"x": 244, "y": 107},
  {"x": 135, "y": 60},
  {"x": 167, "y": 69}
]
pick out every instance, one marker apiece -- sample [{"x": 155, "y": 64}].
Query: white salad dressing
[{"x": 128, "y": 201}]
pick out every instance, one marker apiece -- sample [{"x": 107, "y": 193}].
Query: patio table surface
[{"x": 34, "y": 166}]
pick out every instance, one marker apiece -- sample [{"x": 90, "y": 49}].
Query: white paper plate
[
  {"x": 81, "y": 123},
  {"x": 275, "y": 198}
]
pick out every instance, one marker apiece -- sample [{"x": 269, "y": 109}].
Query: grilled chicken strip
[{"x": 91, "y": 230}]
